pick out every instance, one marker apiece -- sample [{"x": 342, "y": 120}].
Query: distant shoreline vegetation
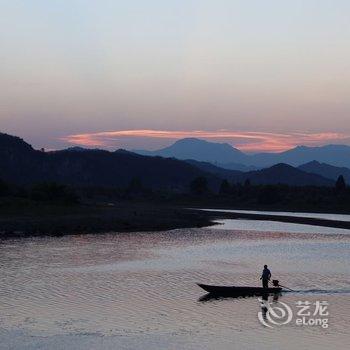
[
  {"x": 275, "y": 197},
  {"x": 236, "y": 195},
  {"x": 56, "y": 209}
]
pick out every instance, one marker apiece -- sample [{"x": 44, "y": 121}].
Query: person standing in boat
[{"x": 265, "y": 277}]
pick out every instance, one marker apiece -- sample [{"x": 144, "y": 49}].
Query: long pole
[
  {"x": 286, "y": 288},
  {"x": 280, "y": 285}
]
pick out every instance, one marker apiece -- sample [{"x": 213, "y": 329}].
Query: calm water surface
[
  {"x": 339, "y": 217},
  {"x": 138, "y": 290},
  {"x": 276, "y": 226}
]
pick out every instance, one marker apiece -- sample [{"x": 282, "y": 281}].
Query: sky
[{"x": 260, "y": 75}]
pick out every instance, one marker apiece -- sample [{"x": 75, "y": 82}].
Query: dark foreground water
[{"x": 138, "y": 290}]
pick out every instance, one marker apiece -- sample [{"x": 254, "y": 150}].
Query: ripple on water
[{"x": 144, "y": 285}]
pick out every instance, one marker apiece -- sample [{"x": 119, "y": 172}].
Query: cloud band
[{"x": 248, "y": 141}]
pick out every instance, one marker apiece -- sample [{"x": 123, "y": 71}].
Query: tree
[
  {"x": 225, "y": 187},
  {"x": 53, "y": 192},
  {"x": 340, "y": 184},
  {"x": 247, "y": 183},
  {"x": 135, "y": 186},
  {"x": 4, "y": 188},
  {"x": 269, "y": 194},
  {"x": 199, "y": 185}
]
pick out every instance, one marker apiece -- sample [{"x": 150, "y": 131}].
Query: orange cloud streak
[{"x": 246, "y": 141}]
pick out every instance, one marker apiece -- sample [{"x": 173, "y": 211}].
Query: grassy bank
[{"x": 20, "y": 218}]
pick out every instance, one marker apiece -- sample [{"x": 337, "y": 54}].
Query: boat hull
[{"x": 238, "y": 291}]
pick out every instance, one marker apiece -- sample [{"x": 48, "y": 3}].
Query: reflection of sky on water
[
  {"x": 275, "y": 226},
  {"x": 139, "y": 290},
  {"x": 340, "y": 217}
]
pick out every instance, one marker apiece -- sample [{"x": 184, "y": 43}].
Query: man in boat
[{"x": 265, "y": 277}]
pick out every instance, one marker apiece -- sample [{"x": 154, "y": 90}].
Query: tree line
[
  {"x": 200, "y": 186},
  {"x": 199, "y": 192},
  {"x": 280, "y": 196}
]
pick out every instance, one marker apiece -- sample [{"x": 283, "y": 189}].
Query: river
[{"x": 138, "y": 290}]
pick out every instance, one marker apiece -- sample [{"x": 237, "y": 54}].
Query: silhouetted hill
[
  {"x": 20, "y": 163},
  {"x": 326, "y": 170},
  {"x": 236, "y": 166},
  {"x": 18, "y": 160},
  {"x": 277, "y": 174},
  {"x": 337, "y": 155},
  {"x": 285, "y": 174},
  {"x": 11, "y": 145},
  {"x": 226, "y": 156},
  {"x": 77, "y": 149},
  {"x": 231, "y": 175}
]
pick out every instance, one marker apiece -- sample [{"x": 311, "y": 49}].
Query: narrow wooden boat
[{"x": 238, "y": 291}]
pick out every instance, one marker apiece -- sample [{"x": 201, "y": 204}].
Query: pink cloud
[{"x": 249, "y": 141}]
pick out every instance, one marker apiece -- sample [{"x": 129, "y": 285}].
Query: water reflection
[
  {"x": 138, "y": 291},
  {"x": 275, "y": 226},
  {"x": 337, "y": 217},
  {"x": 210, "y": 297}
]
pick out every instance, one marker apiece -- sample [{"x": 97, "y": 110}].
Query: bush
[
  {"x": 199, "y": 185},
  {"x": 53, "y": 192},
  {"x": 4, "y": 188},
  {"x": 225, "y": 187},
  {"x": 340, "y": 184}
]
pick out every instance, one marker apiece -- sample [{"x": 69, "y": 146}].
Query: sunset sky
[{"x": 261, "y": 75}]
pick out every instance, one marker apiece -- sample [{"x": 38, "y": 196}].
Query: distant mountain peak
[
  {"x": 281, "y": 166},
  {"x": 76, "y": 149},
  {"x": 314, "y": 162},
  {"x": 200, "y": 150},
  {"x": 190, "y": 139},
  {"x": 125, "y": 151},
  {"x": 200, "y": 141}
]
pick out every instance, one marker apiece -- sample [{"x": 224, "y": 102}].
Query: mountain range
[
  {"x": 21, "y": 164},
  {"x": 226, "y": 156},
  {"x": 277, "y": 174},
  {"x": 326, "y": 170}
]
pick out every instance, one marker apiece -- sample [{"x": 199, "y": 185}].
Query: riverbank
[
  {"x": 28, "y": 218},
  {"x": 218, "y": 215},
  {"x": 25, "y": 218}
]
